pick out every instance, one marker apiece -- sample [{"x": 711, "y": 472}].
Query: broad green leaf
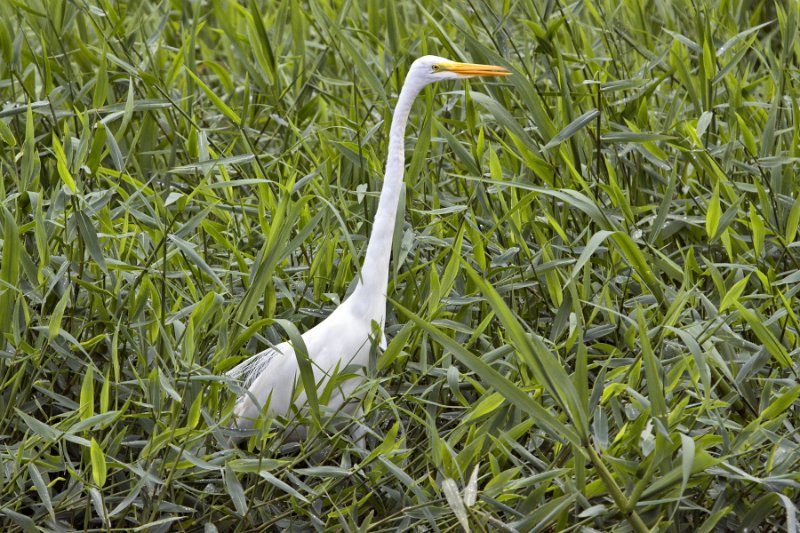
[
  {"x": 764, "y": 335},
  {"x": 6, "y": 135},
  {"x": 748, "y": 138},
  {"x": 687, "y": 463},
  {"x": 54, "y": 326},
  {"x": 25, "y": 522},
  {"x": 98, "y": 458},
  {"x": 9, "y": 270},
  {"x": 194, "y": 411},
  {"x": 652, "y": 370},
  {"x": 713, "y": 214},
  {"x": 31, "y": 163},
  {"x": 572, "y": 128},
  {"x": 89, "y": 236},
  {"x": 196, "y": 260},
  {"x": 486, "y": 405},
  {"x": 453, "y": 497},
  {"x": 101, "y": 84},
  {"x": 511, "y": 392},
  {"x": 504, "y": 118},
  {"x": 779, "y": 405},
  {"x": 793, "y": 220},
  {"x": 589, "y": 250},
  {"x": 39, "y": 428},
  {"x": 703, "y": 123},
  {"x": 87, "y": 394},
  {"x": 216, "y": 100},
  {"x": 549, "y": 371},
  {"x": 640, "y": 263},
  {"x": 62, "y": 166},
  {"x": 41, "y": 488},
  {"x": 733, "y": 295}
]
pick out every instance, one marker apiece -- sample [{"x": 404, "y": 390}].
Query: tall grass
[{"x": 594, "y": 315}]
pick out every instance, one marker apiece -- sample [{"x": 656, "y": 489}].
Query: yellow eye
[{"x": 436, "y": 68}]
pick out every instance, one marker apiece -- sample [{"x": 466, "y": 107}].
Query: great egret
[{"x": 346, "y": 335}]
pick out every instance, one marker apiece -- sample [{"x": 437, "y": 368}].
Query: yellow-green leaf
[
  {"x": 99, "y": 471},
  {"x": 54, "y": 326},
  {"x": 793, "y": 220},
  {"x": 61, "y": 165},
  {"x": 734, "y": 293},
  {"x": 758, "y": 230},
  {"x": 773, "y": 346},
  {"x": 748, "y": 138},
  {"x": 495, "y": 169},
  {"x": 7, "y": 135},
  {"x": 105, "y": 393},
  {"x": 713, "y": 213},
  {"x": 708, "y": 59},
  {"x": 216, "y": 100},
  {"x": 194, "y": 411},
  {"x": 87, "y": 394},
  {"x": 781, "y": 404}
]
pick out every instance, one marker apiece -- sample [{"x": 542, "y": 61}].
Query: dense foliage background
[{"x": 595, "y": 278}]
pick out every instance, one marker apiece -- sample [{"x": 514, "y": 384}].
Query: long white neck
[{"x": 375, "y": 270}]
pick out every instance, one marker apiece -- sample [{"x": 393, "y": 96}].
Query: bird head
[{"x": 429, "y": 69}]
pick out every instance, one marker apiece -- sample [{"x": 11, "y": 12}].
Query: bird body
[
  {"x": 347, "y": 335},
  {"x": 344, "y": 338}
]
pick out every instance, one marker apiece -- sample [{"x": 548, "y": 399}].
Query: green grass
[{"x": 594, "y": 295}]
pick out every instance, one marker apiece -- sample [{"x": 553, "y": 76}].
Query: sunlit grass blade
[
  {"x": 544, "y": 365},
  {"x": 501, "y": 384}
]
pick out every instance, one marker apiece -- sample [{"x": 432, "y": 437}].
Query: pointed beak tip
[{"x": 474, "y": 69}]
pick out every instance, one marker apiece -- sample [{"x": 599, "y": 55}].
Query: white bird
[{"x": 346, "y": 336}]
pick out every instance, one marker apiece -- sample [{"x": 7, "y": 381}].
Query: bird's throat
[{"x": 375, "y": 269}]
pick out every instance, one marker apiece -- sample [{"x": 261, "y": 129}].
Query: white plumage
[
  {"x": 342, "y": 339},
  {"x": 346, "y": 336}
]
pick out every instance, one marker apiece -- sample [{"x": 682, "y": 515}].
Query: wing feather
[{"x": 248, "y": 370}]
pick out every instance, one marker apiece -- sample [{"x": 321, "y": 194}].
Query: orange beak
[{"x": 473, "y": 69}]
